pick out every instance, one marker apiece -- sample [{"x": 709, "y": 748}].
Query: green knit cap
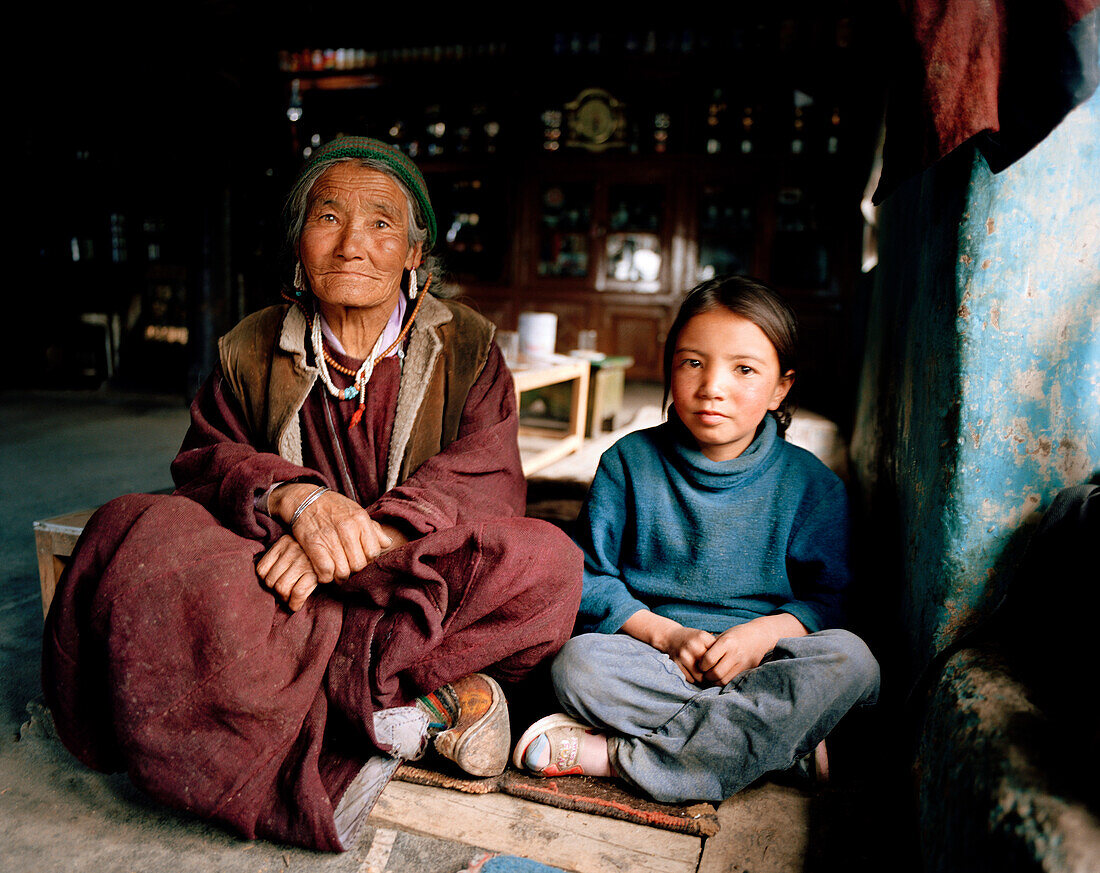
[{"x": 392, "y": 157}]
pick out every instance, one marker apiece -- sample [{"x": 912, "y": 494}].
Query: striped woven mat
[{"x": 588, "y": 794}]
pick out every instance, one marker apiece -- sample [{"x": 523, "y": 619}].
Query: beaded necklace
[{"x": 363, "y": 374}]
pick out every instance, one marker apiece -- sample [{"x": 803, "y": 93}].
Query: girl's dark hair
[{"x": 754, "y": 301}]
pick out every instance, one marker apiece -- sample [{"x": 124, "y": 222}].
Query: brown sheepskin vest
[{"x": 264, "y": 362}]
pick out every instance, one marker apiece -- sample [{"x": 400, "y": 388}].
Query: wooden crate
[
  {"x": 54, "y": 539},
  {"x": 605, "y": 394}
]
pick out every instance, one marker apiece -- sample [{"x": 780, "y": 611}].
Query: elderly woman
[{"x": 344, "y": 566}]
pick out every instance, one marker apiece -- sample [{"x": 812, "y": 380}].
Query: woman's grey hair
[{"x": 297, "y": 207}]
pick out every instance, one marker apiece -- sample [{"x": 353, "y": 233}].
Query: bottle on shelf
[
  {"x": 715, "y": 131},
  {"x": 832, "y": 141},
  {"x": 551, "y": 129},
  {"x": 662, "y": 122},
  {"x": 801, "y": 104},
  {"x": 747, "y": 133},
  {"x": 435, "y": 129},
  {"x": 294, "y": 109}
]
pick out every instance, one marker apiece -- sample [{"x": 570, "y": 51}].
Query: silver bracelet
[{"x": 305, "y": 503}]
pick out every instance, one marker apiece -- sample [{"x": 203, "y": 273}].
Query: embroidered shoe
[
  {"x": 478, "y": 737},
  {"x": 558, "y": 734}
]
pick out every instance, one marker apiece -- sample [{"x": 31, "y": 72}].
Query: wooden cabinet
[
  {"x": 600, "y": 227},
  {"x": 601, "y": 191},
  {"x": 473, "y": 205},
  {"x": 638, "y": 332},
  {"x": 595, "y": 243},
  {"x": 611, "y": 244}
]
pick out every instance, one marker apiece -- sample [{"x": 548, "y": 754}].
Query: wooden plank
[
  {"x": 571, "y": 840},
  {"x": 70, "y": 523},
  {"x": 339, "y": 82},
  {"x": 539, "y": 376}
]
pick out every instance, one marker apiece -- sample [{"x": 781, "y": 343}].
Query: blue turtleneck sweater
[{"x": 712, "y": 544}]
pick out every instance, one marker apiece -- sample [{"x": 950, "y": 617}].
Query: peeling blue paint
[
  {"x": 980, "y": 397},
  {"x": 1029, "y": 356}
]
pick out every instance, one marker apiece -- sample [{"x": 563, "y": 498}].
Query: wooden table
[{"x": 529, "y": 375}]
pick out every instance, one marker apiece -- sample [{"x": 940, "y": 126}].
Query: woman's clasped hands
[{"x": 332, "y": 539}]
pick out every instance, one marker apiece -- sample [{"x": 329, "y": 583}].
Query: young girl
[{"x": 716, "y": 557}]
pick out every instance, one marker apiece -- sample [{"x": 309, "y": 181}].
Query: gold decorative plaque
[{"x": 595, "y": 121}]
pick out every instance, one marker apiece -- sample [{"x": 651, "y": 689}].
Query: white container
[{"x": 538, "y": 334}]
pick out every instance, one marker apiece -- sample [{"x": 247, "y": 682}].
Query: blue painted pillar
[{"x": 980, "y": 391}]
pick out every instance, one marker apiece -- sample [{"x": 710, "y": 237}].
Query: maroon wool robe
[{"x": 164, "y": 654}]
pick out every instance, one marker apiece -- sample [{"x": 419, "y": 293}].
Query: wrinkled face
[
  {"x": 354, "y": 245},
  {"x": 725, "y": 378}
]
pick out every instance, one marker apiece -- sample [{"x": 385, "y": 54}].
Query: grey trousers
[{"x": 677, "y": 741}]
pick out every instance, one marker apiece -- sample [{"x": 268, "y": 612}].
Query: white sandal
[{"x": 564, "y": 735}]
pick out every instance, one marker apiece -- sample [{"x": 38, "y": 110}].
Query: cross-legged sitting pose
[
  {"x": 343, "y": 572},
  {"x": 716, "y": 558}
]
